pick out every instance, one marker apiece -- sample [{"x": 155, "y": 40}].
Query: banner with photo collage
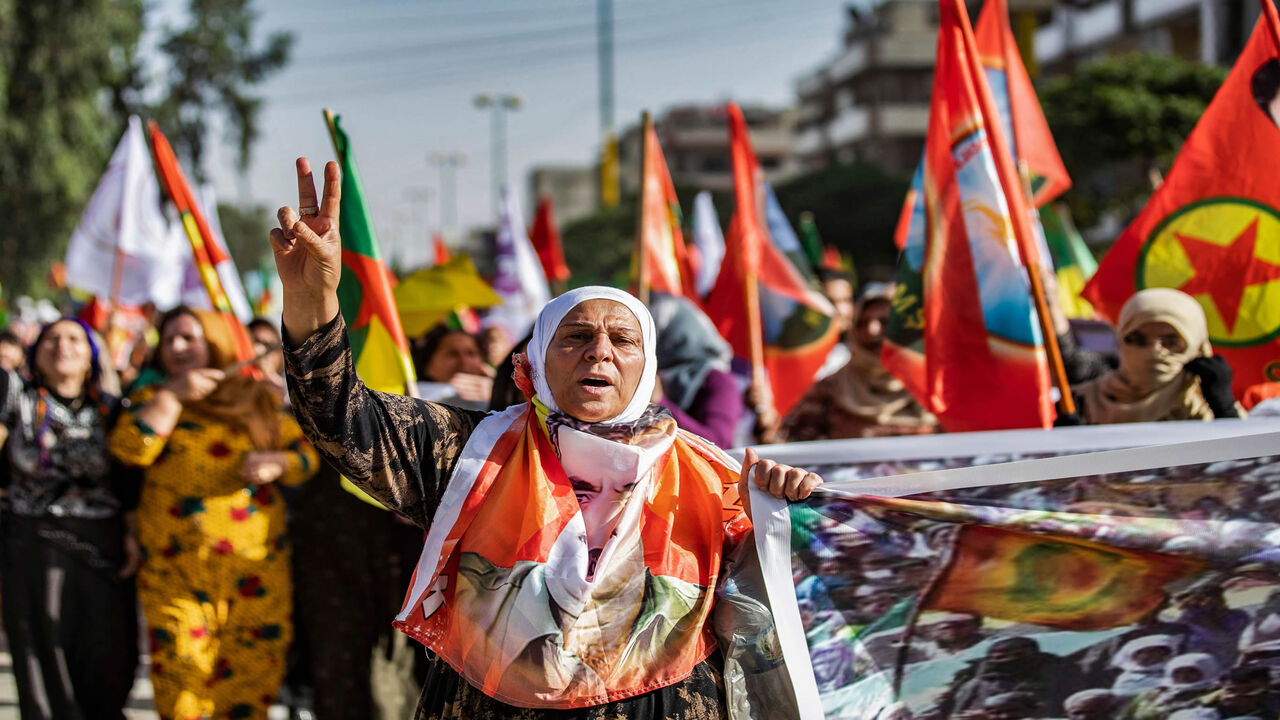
[{"x": 1097, "y": 572}]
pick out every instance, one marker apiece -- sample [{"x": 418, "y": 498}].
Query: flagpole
[
  {"x": 1021, "y": 223},
  {"x": 642, "y": 269}
]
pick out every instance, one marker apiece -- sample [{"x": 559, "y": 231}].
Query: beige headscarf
[
  {"x": 1150, "y": 384},
  {"x": 865, "y": 389}
]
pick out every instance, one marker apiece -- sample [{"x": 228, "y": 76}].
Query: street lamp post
[
  {"x": 448, "y": 164},
  {"x": 498, "y": 148},
  {"x": 419, "y": 235}
]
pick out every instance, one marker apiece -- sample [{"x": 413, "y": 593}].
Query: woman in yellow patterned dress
[{"x": 215, "y": 586}]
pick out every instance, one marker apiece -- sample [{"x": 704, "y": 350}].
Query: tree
[
  {"x": 213, "y": 63},
  {"x": 245, "y": 228},
  {"x": 69, "y": 77},
  {"x": 61, "y": 62},
  {"x": 1117, "y": 119},
  {"x": 598, "y": 247}
]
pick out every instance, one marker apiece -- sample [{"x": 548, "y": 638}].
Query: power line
[
  {"x": 533, "y": 57},
  {"x": 487, "y": 41}
]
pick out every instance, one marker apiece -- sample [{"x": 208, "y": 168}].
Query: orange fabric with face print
[{"x": 505, "y": 596}]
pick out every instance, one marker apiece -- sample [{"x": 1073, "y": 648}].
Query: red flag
[
  {"x": 1212, "y": 230},
  {"x": 1025, "y": 128},
  {"x": 831, "y": 259},
  {"x": 205, "y": 248},
  {"x": 963, "y": 314},
  {"x": 761, "y": 303},
  {"x": 442, "y": 251},
  {"x": 545, "y": 237},
  {"x": 664, "y": 264}
]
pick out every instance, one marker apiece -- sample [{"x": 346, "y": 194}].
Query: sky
[{"x": 402, "y": 74}]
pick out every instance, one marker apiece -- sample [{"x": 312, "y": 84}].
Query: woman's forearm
[
  {"x": 307, "y": 312},
  {"x": 161, "y": 413}
]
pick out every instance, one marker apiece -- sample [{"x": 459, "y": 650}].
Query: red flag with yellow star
[{"x": 1212, "y": 230}]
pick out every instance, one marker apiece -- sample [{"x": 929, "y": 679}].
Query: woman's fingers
[
  {"x": 749, "y": 459},
  {"x": 332, "y": 191},
  {"x": 279, "y": 242},
  {"x": 306, "y": 235},
  {"x": 306, "y": 185},
  {"x": 791, "y": 482},
  {"x": 288, "y": 218}
]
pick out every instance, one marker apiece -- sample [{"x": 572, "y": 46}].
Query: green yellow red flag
[
  {"x": 1072, "y": 262},
  {"x": 1053, "y": 581},
  {"x": 378, "y": 342}
]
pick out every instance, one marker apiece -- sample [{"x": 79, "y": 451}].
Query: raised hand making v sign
[{"x": 308, "y": 253}]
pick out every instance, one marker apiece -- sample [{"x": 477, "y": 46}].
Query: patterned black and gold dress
[{"x": 403, "y": 451}]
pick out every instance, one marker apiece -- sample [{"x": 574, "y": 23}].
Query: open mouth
[{"x": 594, "y": 382}]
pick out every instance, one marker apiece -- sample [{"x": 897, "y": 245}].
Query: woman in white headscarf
[
  {"x": 1167, "y": 369},
  {"x": 1187, "y": 678},
  {"x": 573, "y": 542},
  {"x": 1141, "y": 662}
]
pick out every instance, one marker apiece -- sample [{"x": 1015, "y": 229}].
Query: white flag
[
  {"x": 709, "y": 240},
  {"x": 121, "y": 250},
  {"x": 519, "y": 279}
]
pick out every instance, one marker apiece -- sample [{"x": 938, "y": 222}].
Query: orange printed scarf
[{"x": 508, "y": 591}]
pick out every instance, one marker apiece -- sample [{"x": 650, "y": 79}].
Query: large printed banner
[{"x": 1023, "y": 574}]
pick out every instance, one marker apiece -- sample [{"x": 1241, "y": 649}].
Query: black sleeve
[
  {"x": 1083, "y": 365},
  {"x": 400, "y": 450}
]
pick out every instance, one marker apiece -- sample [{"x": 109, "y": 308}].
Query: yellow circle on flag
[{"x": 1224, "y": 252}]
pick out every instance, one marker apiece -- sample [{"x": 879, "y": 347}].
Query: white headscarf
[
  {"x": 544, "y": 329},
  {"x": 1208, "y": 666},
  {"x": 1136, "y": 677}
]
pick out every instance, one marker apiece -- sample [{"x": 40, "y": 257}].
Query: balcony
[
  {"x": 809, "y": 141},
  {"x": 850, "y": 126}
]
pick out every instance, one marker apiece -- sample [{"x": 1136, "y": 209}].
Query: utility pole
[
  {"x": 498, "y": 144},
  {"x": 448, "y": 164},
  {"x": 608, "y": 139}
]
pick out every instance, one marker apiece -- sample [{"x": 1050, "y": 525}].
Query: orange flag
[
  {"x": 962, "y": 312},
  {"x": 1212, "y": 230},
  {"x": 663, "y": 263},
  {"x": 1025, "y": 128},
  {"x": 206, "y": 250}
]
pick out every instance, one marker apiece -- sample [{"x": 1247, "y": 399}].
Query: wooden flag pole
[{"x": 640, "y": 252}]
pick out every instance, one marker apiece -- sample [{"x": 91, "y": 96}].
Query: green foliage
[
  {"x": 245, "y": 228},
  {"x": 598, "y": 247},
  {"x": 213, "y": 63},
  {"x": 1117, "y": 118},
  {"x": 62, "y": 63},
  {"x": 69, "y": 77}
]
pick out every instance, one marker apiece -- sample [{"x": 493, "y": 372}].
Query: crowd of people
[{"x": 180, "y": 482}]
